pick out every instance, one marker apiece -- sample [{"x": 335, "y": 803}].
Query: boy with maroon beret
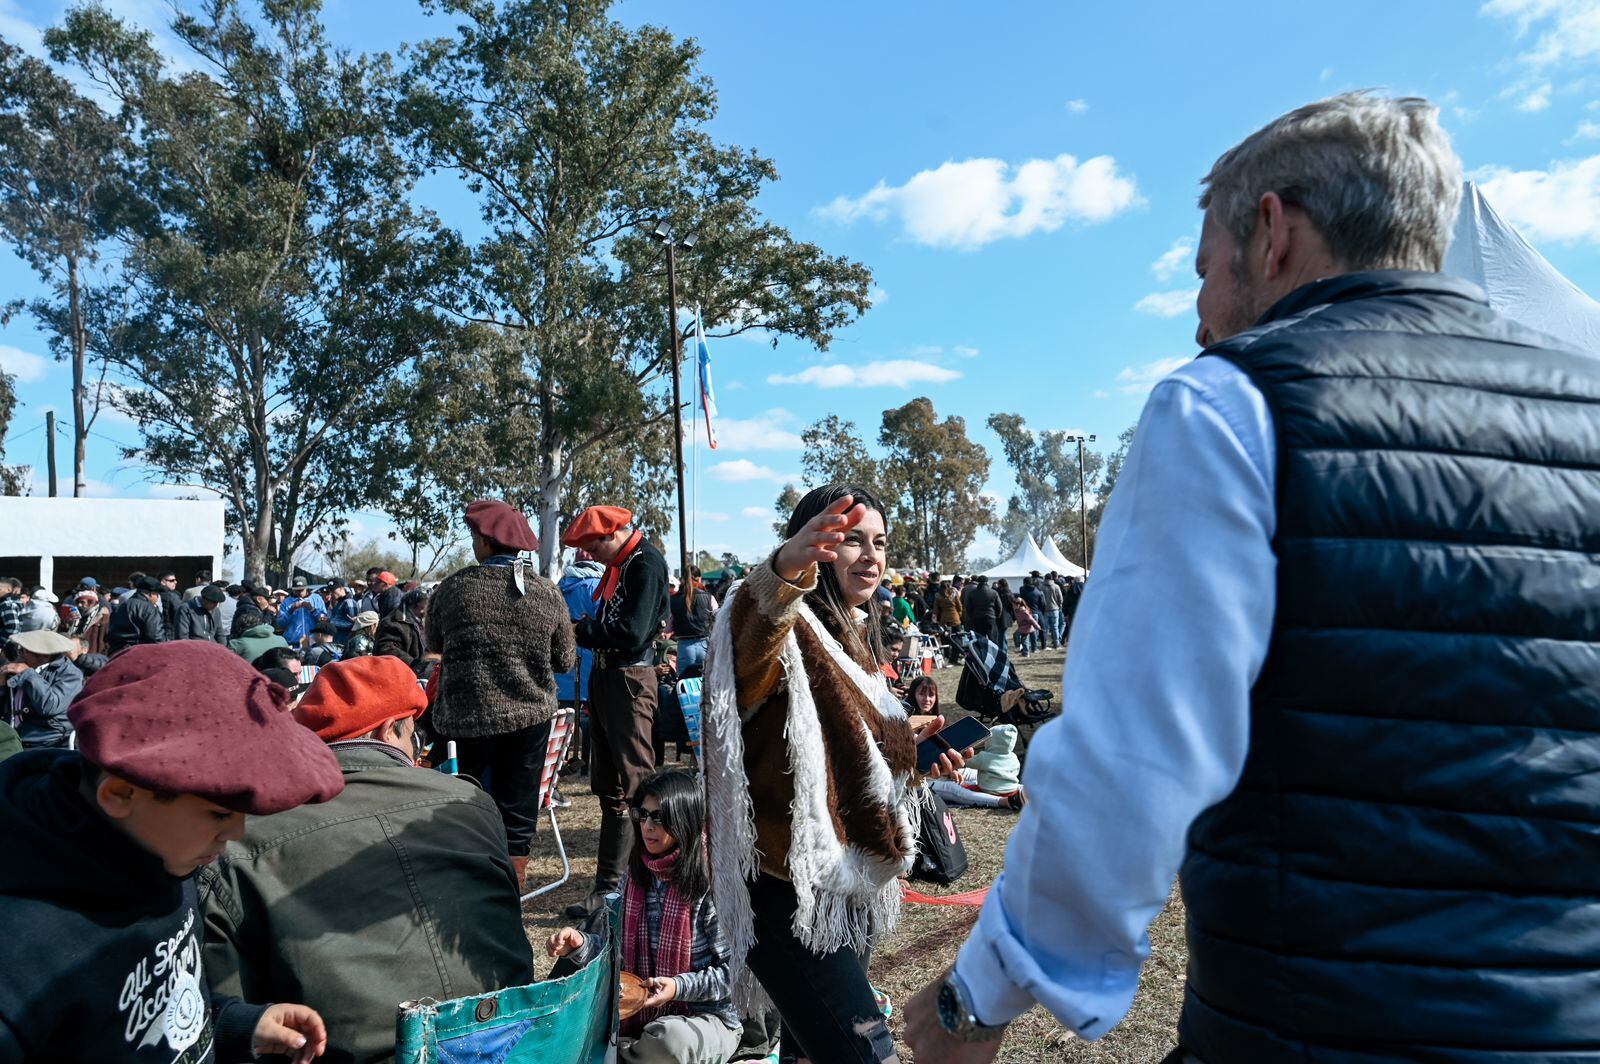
[{"x": 178, "y": 742}]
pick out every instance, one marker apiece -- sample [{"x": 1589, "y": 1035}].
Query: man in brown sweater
[{"x": 503, "y": 634}]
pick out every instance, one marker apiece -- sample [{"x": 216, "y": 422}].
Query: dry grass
[{"x": 928, "y": 937}]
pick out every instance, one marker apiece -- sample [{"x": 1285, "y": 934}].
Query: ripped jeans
[{"x": 826, "y": 1001}]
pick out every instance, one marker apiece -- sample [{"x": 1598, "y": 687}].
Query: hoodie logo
[{"x": 166, "y": 986}]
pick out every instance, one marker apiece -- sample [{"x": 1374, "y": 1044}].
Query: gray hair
[{"x": 1376, "y": 175}]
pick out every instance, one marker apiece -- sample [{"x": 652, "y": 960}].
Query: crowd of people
[{"x": 1335, "y": 671}]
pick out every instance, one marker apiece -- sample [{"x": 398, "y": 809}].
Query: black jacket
[
  {"x": 1407, "y": 868},
  {"x": 196, "y": 622},
  {"x": 400, "y": 635},
  {"x": 100, "y": 946},
  {"x": 980, "y": 611},
  {"x": 694, "y": 622},
  {"x": 627, "y": 625},
  {"x": 137, "y": 621},
  {"x": 171, "y": 605}
]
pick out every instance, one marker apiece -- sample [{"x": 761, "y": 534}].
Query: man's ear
[
  {"x": 116, "y": 796},
  {"x": 1274, "y": 233}
]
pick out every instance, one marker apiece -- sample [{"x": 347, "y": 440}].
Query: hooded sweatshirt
[
  {"x": 578, "y": 584},
  {"x": 256, "y": 642},
  {"x": 999, "y": 768},
  {"x": 102, "y": 948}
]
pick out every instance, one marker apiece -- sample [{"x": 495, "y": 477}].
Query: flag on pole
[{"x": 708, "y": 398}]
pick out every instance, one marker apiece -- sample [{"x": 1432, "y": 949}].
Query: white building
[{"x": 57, "y": 542}]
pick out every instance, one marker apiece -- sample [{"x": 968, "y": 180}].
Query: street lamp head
[
  {"x": 687, "y": 243},
  {"x": 1092, "y": 437},
  {"x": 660, "y": 233}
]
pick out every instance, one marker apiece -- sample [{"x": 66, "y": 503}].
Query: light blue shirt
[{"x": 1168, "y": 640}]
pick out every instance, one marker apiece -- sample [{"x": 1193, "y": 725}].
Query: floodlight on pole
[
  {"x": 1083, "y": 510},
  {"x": 663, "y": 235}
]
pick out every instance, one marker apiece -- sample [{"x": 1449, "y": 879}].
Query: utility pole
[
  {"x": 1083, "y": 495},
  {"x": 664, "y": 236},
  {"x": 50, "y": 447}
]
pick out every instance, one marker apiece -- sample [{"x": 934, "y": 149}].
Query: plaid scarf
[{"x": 672, "y": 951}]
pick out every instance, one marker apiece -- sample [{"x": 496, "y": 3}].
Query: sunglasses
[{"x": 655, "y": 816}]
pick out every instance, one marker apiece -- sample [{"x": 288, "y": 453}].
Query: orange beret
[
  {"x": 350, "y": 698},
  {"x": 595, "y": 522},
  {"x": 501, "y": 524}
]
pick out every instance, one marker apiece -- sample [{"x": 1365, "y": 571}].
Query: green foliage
[
  {"x": 787, "y": 500},
  {"x": 933, "y": 475},
  {"x": 577, "y": 135},
  {"x": 835, "y": 453},
  {"x": 1046, "y": 503},
  {"x": 13, "y": 479},
  {"x": 273, "y": 268}
]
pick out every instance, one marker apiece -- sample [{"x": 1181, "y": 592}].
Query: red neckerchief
[{"x": 608, "y": 583}]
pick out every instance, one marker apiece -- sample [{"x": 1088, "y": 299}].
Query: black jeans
[
  {"x": 825, "y": 1000},
  {"x": 508, "y": 766}
]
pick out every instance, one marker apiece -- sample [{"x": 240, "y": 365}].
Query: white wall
[{"x": 45, "y": 527}]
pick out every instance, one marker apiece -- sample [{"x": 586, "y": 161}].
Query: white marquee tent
[
  {"x": 1028, "y": 560},
  {"x": 1520, "y": 283},
  {"x": 1059, "y": 560}
]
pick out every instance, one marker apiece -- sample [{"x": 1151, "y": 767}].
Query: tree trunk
[
  {"x": 80, "y": 343},
  {"x": 552, "y": 472}
]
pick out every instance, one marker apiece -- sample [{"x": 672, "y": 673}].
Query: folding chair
[
  {"x": 562, "y": 726},
  {"x": 689, "y": 703}
]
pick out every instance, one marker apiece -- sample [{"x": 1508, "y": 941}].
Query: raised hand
[{"x": 815, "y": 541}]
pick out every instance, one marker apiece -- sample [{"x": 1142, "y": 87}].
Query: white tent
[
  {"x": 1028, "y": 560},
  {"x": 1520, "y": 283},
  {"x": 1059, "y": 560}
]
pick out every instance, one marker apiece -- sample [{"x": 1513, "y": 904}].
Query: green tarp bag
[{"x": 571, "y": 1020}]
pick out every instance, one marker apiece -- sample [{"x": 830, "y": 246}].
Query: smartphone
[{"x": 965, "y": 734}]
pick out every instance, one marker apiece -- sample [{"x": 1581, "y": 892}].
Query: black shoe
[{"x": 581, "y": 910}]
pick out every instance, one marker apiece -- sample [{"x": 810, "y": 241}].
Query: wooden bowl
[{"x": 633, "y": 995}]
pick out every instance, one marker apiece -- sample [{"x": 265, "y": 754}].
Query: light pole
[
  {"x": 1083, "y": 511},
  {"x": 664, "y": 236}
]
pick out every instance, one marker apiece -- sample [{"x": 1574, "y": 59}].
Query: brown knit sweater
[
  {"x": 500, "y": 651},
  {"x": 764, "y": 612}
]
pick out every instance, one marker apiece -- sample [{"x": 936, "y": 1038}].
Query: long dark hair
[
  {"x": 828, "y": 599},
  {"x": 918, "y": 684},
  {"x": 683, "y": 814}
]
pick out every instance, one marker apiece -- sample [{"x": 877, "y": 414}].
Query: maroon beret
[
  {"x": 501, "y": 524},
  {"x": 191, "y": 717}
]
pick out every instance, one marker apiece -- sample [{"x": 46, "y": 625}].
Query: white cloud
[
  {"x": 977, "y": 201},
  {"x": 964, "y": 351},
  {"x": 1587, "y": 130},
  {"x": 744, "y": 471},
  {"x": 710, "y": 515},
  {"x": 1078, "y": 107},
  {"x": 1531, "y": 100},
  {"x": 760, "y": 512},
  {"x": 22, "y": 365},
  {"x": 1562, "y": 203},
  {"x": 877, "y": 296},
  {"x": 1180, "y": 256},
  {"x": 767, "y": 432},
  {"x": 1569, "y": 29},
  {"x": 1136, "y": 380},
  {"x": 926, "y": 351},
  {"x": 891, "y": 373},
  {"x": 1168, "y": 304}
]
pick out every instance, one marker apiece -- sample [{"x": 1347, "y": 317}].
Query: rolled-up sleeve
[{"x": 1169, "y": 637}]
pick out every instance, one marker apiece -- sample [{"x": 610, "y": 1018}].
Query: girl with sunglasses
[{"x": 670, "y": 936}]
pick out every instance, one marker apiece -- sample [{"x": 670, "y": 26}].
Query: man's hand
[
  {"x": 564, "y": 942},
  {"x": 293, "y": 1030},
  {"x": 660, "y": 991},
  {"x": 13, "y": 668},
  {"x": 930, "y": 1043}
]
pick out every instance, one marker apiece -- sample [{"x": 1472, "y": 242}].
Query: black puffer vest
[{"x": 1409, "y": 868}]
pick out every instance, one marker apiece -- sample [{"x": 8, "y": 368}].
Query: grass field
[{"x": 928, "y": 936}]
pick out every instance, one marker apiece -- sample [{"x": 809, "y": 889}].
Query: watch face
[{"x": 950, "y": 1017}]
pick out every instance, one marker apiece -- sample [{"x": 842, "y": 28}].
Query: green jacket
[
  {"x": 399, "y": 888},
  {"x": 256, "y": 642},
  {"x": 10, "y": 742}
]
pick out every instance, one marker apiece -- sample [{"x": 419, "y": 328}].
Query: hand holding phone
[{"x": 962, "y": 737}]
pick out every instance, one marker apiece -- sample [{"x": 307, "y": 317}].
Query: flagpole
[
  {"x": 694, "y": 435},
  {"x": 677, "y": 420}
]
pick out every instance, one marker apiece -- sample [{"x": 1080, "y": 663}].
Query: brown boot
[{"x": 519, "y": 868}]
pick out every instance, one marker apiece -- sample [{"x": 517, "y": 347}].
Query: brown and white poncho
[{"x": 809, "y": 764}]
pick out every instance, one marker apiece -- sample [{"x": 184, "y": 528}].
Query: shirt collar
[{"x": 499, "y": 559}]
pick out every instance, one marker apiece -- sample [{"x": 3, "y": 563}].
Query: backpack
[{"x": 941, "y": 856}]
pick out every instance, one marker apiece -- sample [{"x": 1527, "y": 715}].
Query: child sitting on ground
[
  {"x": 992, "y": 778},
  {"x": 670, "y": 937}
]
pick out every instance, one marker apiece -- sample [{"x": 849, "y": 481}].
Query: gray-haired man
[{"x": 1358, "y": 545}]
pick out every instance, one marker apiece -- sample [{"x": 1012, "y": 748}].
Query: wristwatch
[{"x": 956, "y": 1015}]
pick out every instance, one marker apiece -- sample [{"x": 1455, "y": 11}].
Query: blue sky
[{"x": 1021, "y": 179}]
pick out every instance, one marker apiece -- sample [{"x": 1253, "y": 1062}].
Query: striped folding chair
[{"x": 562, "y": 725}]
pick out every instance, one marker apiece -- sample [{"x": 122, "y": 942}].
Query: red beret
[
  {"x": 595, "y": 522},
  {"x": 501, "y": 524},
  {"x": 191, "y": 717},
  {"x": 348, "y": 699}
]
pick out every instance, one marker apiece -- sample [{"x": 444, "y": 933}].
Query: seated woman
[
  {"x": 991, "y": 778},
  {"x": 670, "y": 937}
]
